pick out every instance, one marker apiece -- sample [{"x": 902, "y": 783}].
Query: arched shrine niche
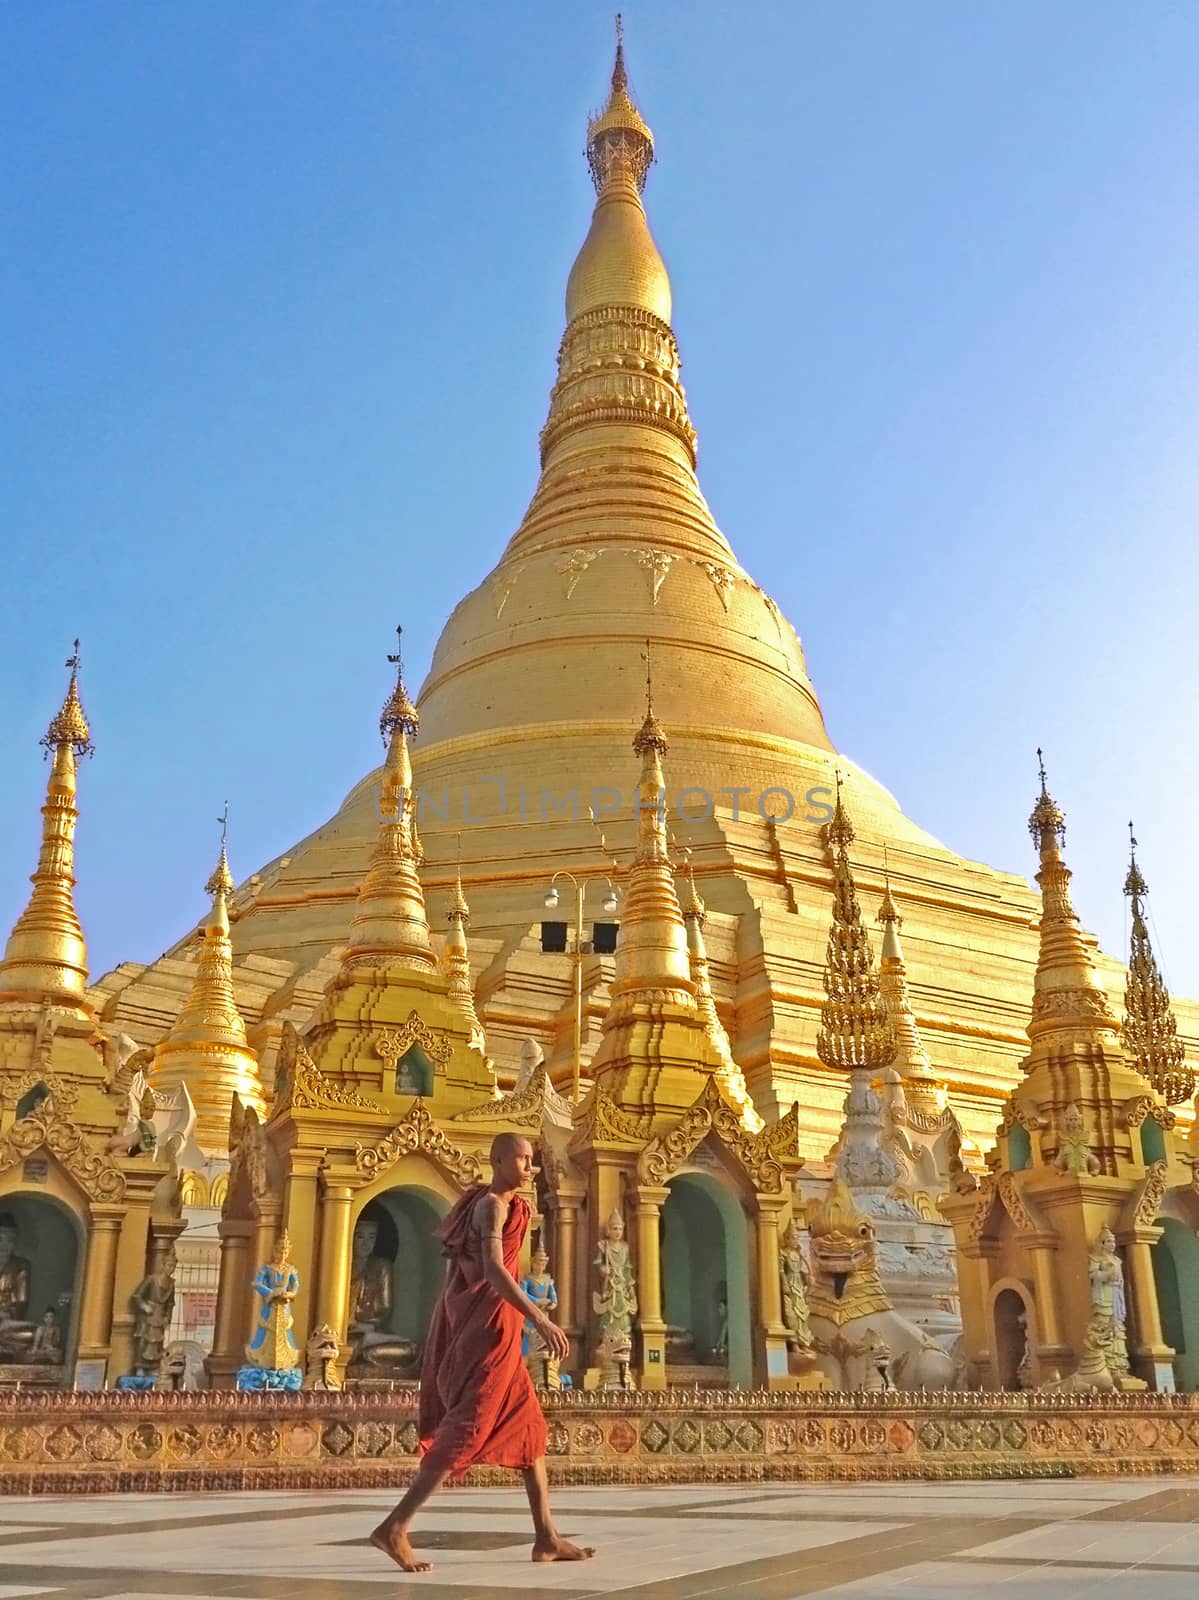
[
  {"x": 1012, "y": 1334},
  {"x": 41, "y": 1260},
  {"x": 705, "y": 1283},
  {"x": 396, "y": 1271}
]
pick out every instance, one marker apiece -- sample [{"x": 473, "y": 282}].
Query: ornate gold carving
[
  {"x": 1017, "y": 1206},
  {"x": 300, "y": 1085},
  {"x": 722, "y": 579},
  {"x": 711, "y": 1113},
  {"x": 601, "y": 1121},
  {"x": 573, "y": 565},
  {"x": 502, "y": 585},
  {"x": 525, "y": 1107},
  {"x": 15, "y": 1085},
  {"x": 391, "y": 1043},
  {"x": 95, "y": 1172},
  {"x": 1149, "y": 1197},
  {"x": 417, "y": 1134},
  {"x": 1023, "y": 1112},
  {"x": 657, "y": 564},
  {"x": 1083, "y": 1003}
]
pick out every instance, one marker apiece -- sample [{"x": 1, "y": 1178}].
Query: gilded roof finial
[
  {"x": 619, "y": 142},
  {"x": 399, "y": 712},
  {"x": 1047, "y": 824},
  {"x": 69, "y": 724},
  {"x": 206, "y": 1047},
  {"x": 457, "y": 959},
  {"x": 1067, "y": 993},
  {"x": 390, "y": 923},
  {"x": 856, "y": 1030},
  {"x": 1150, "y": 1028},
  {"x": 220, "y": 881},
  {"x": 649, "y": 736},
  {"x": 886, "y": 911},
  {"x": 838, "y": 831},
  {"x": 45, "y": 960}
]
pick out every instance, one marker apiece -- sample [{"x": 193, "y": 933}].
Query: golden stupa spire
[
  {"x": 856, "y": 1031},
  {"x": 729, "y": 1076},
  {"x": 911, "y": 1058},
  {"x": 652, "y": 951},
  {"x": 1067, "y": 992},
  {"x": 390, "y": 926},
  {"x": 1150, "y": 1030},
  {"x": 457, "y": 957},
  {"x": 46, "y": 956},
  {"x": 206, "y": 1048}
]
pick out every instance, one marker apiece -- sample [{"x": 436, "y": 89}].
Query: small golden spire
[
  {"x": 457, "y": 957},
  {"x": 911, "y": 1058},
  {"x": 652, "y": 951},
  {"x": 45, "y": 960},
  {"x": 390, "y": 925},
  {"x": 206, "y": 1047},
  {"x": 729, "y": 1076},
  {"x": 1067, "y": 993},
  {"x": 856, "y": 1031},
  {"x": 1150, "y": 1029}
]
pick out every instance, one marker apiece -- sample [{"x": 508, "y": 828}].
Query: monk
[{"x": 477, "y": 1401}]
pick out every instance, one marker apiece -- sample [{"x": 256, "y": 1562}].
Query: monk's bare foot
[
  {"x": 559, "y": 1549},
  {"x": 396, "y": 1546}
]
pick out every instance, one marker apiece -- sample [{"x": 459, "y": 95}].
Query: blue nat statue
[
  {"x": 272, "y": 1359},
  {"x": 541, "y": 1290}
]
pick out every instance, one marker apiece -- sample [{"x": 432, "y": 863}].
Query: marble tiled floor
[{"x": 1007, "y": 1541}]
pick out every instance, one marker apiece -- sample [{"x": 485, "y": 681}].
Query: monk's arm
[{"x": 490, "y": 1214}]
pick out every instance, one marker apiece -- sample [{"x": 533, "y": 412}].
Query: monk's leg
[
  {"x": 391, "y": 1536},
  {"x": 548, "y": 1543}
]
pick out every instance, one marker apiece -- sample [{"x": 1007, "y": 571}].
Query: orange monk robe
[{"x": 477, "y": 1401}]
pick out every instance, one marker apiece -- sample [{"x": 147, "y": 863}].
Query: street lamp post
[{"x": 551, "y": 901}]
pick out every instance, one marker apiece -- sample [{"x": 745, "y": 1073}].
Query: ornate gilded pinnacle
[
  {"x": 1150, "y": 1028},
  {"x": 399, "y": 712},
  {"x": 855, "y": 1027},
  {"x": 69, "y": 724},
  {"x": 221, "y": 879},
  {"x": 1047, "y": 824},
  {"x": 649, "y": 736},
  {"x": 838, "y": 831},
  {"x": 619, "y": 141}
]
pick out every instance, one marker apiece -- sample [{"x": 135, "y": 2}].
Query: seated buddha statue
[
  {"x": 16, "y": 1334},
  {"x": 375, "y": 1351}
]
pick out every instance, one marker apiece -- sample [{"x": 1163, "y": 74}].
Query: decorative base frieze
[{"x": 106, "y": 1443}]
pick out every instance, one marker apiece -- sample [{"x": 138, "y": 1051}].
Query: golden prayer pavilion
[{"x": 612, "y": 887}]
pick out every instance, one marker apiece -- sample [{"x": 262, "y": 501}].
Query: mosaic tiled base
[{"x": 224, "y": 1440}]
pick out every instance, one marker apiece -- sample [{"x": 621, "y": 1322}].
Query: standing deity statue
[
  {"x": 153, "y": 1301},
  {"x": 793, "y": 1272},
  {"x": 543, "y": 1292},
  {"x": 615, "y": 1303},
  {"x": 273, "y": 1347},
  {"x": 1108, "y": 1305}
]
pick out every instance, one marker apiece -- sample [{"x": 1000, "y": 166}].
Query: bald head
[
  {"x": 511, "y": 1162},
  {"x": 505, "y": 1145}
]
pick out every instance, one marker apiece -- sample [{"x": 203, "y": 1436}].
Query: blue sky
[{"x": 280, "y": 296}]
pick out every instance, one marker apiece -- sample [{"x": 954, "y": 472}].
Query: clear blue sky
[{"x": 280, "y": 295}]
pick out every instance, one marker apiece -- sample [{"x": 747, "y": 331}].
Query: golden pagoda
[
  {"x": 88, "y": 1203},
  {"x": 1064, "y": 1246},
  {"x": 528, "y": 697}
]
